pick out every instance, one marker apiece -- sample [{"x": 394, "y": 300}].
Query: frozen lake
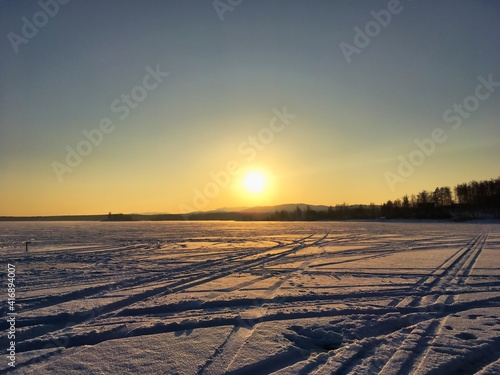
[{"x": 254, "y": 297}]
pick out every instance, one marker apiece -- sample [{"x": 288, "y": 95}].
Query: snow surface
[{"x": 254, "y": 298}]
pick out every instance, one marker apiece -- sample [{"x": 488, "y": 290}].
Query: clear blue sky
[{"x": 353, "y": 120}]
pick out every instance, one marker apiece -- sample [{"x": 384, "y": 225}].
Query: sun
[{"x": 254, "y": 182}]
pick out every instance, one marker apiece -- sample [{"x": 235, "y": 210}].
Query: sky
[{"x": 167, "y": 106}]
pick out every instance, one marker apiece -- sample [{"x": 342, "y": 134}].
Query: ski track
[{"x": 421, "y": 309}]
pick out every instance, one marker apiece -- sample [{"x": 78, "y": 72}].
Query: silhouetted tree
[{"x": 298, "y": 213}]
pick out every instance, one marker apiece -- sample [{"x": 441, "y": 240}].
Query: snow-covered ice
[{"x": 254, "y": 297}]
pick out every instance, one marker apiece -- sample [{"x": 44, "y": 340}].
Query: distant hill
[
  {"x": 230, "y": 209},
  {"x": 283, "y": 207},
  {"x": 225, "y": 213}
]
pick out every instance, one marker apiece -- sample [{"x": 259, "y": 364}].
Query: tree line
[
  {"x": 464, "y": 202},
  {"x": 338, "y": 212}
]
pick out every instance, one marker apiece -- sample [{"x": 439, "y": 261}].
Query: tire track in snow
[
  {"x": 453, "y": 277},
  {"x": 142, "y": 281},
  {"x": 219, "y": 362},
  {"x": 222, "y": 359},
  {"x": 408, "y": 355},
  {"x": 433, "y": 282},
  {"x": 112, "y": 309},
  {"x": 76, "y": 319},
  {"x": 226, "y": 270},
  {"x": 460, "y": 270},
  {"x": 380, "y": 330},
  {"x": 467, "y": 269},
  {"x": 406, "y": 359},
  {"x": 309, "y": 300},
  {"x": 410, "y": 295},
  {"x": 213, "y": 363},
  {"x": 94, "y": 257}
]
